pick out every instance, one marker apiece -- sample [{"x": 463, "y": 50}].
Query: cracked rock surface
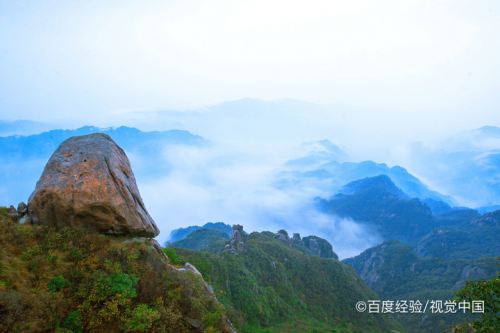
[{"x": 88, "y": 181}]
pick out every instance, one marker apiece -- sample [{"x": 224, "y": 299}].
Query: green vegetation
[
  {"x": 395, "y": 272},
  {"x": 378, "y": 202},
  {"x": 57, "y": 283},
  {"x": 460, "y": 244},
  {"x": 182, "y": 233},
  {"x": 478, "y": 237},
  {"x": 273, "y": 287},
  {"x": 73, "y": 280},
  {"x": 489, "y": 292},
  {"x": 142, "y": 319},
  {"x": 73, "y": 322},
  {"x": 172, "y": 255},
  {"x": 203, "y": 239}
]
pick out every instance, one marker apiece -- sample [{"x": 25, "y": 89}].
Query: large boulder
[{"x": 88, "y": 182}]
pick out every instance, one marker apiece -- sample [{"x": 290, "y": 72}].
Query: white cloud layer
[{"x": 219, "y": 184}]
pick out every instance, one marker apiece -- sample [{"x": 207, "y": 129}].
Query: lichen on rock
[{"x": 88, "y": 182}]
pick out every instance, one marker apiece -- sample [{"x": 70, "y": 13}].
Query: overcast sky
[{"x": 412, "y": 63}]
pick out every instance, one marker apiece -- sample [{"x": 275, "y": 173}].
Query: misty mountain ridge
[
  {"x": 380, "y": 185},
  {"x": 442, "y": 165},
  {"x": 465, "y": 166},
  {"x": 323, "y": 167},
  {"x": 328, "y": 174},
  {"x": 130, "y": 138},
  {"x": 485, "y": 138},
  {"x": 490, "y": 131},
  {"x": 378, "y": 202},
  {"x": 450, "y": 232},
  {"x": 210, "y": 240},
  {"x": 22, "y": 127},
  {"x": 23, "y": 157},
  {"x": 182, "y": 233},
  {"x": 469, "y": 237},
  {"x": 316, "y": 154}
]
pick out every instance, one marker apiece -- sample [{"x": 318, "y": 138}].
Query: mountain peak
[
  {"x": 381, "y": 184},
  {"x": 489, "y": 130}
]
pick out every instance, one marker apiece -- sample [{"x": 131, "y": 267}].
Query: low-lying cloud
[{"x": 218, "y": 183}]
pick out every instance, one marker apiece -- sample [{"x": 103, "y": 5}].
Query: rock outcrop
[
  {"x": 296, "y": 238},
  {"x": 12, "y": 213},
  {"x": 237, "y": 242},
  {"x": 319, "y": 246},
  {"x": 88, "y": 182},
  {"x": 312, "y": 245},
  {"x": 22, "y": 209},
  {"x": 491, "y": 219},
  {"x": 282, "y": 235}
]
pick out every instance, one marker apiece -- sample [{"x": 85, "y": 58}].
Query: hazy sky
[{"x": 424, "y": 63}]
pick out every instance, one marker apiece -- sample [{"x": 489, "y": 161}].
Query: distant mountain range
[
  {"x": 132, "y": 139},
  {"x": 466, "y": 166},
  {"x": 377, "y": 201},
  {"x": 453, "y": 232},
  {"x": 22, "y": 127},
  {"x": 22, "y": 158},
  {"x": 326, "y": 168}
]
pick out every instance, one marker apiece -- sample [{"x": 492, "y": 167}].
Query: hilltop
[
  {"x": 269, "y": 282},
  {"x": 79, "y": 256}
]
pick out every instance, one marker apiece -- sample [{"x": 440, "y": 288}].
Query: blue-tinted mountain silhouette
[
  {"x": 22, "y": 158},
  {"x": 377, "y": 201}
]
